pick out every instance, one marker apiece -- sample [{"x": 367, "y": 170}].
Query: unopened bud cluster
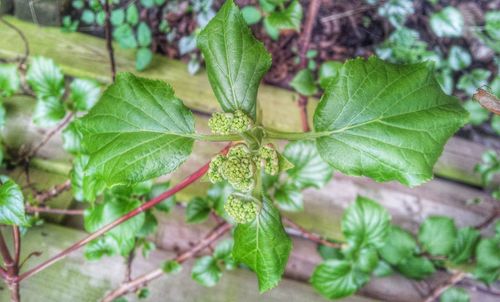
[
  {"x": 243, "y": 209},
  {"x": 229, "y": 123}
]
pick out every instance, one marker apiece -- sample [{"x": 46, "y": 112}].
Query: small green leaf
[
  {"x": 492, "y": 24},
  {"x": 459, "y": 58},
  {"x": 336, "y": 279},
  {"x": 267, "y": 6},
  {"x": 9, "y": 80},
  {"x": 263, "y": 246},
  {"x": 327, "y": 252},
  {"x": 488, "y": 253},
  {"x": 327, "y": 72},
  {"x": 88, "y": 16},
  {"x": 470, "y": 82},
  {"x": 477, "y": 114},
  {"x": 365, "y": 223},
  {"x": 197, "y": 210},
  {"x": 273, "y": 32},
  {"x": 148, "y": 3},
  {"x": 144, "y": 35},
  {"x": 117, "y": 17},
  {"x": 137, "y": 131},
  {"x": 464, "y": 245},
  {"x": 45, "y": 78},
  {"x": 437, "y": 235},
  {"x": 386, "y": 127},
  {"x": 251, "y": 15},
  {"x": 132, "y": 14},
  {"x": 225, "y": 41},
  {"x": 124, "y": 35},
  {"x": 303, "y": 83},
  {"x": 448, "y": 22},
  {"x": 143, "y": 293},
  {"x": 399, "y": 246},
  {"x": 149, "y": 226},
  {"x": 171, "y": 267},
  {"x": 455, "y": 294},
  {"x": 383, "y": 269},
  {"x": 103, "y": 246},
  {"x": 367, "y": 260},
  {"x": 78, "y": 4},
  {"x": 289, "y": 18},
  {"x": 48, "y": 111},
  {"x": 100, "y": 18},
  {"x": 445, "y": 80},
  {"x": 206, "y": 271},
  {"x": 309, "y": 169},
  {"x": 143, "y": 58},
  {"x": 84, "y": 93},
  {"x": 416, "y": 268},
  {"x": 72, "y": 138},
  {"x": 11, "y": 204},
  {"x": 289, "y": 198},
  {"x": 223, "y": 250}
]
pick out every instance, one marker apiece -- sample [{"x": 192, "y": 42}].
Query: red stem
[{"x": 149, "y": 204}]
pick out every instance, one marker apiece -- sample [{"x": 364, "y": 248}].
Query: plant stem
[
  {"x": 11, "y": 264},
  {"x": 309, "y": 235},
  {"x": 454, "y": 279},
  {"x": 23, "y": 37},
  {"x": 149, "y": 204},
  {"x": 42, "y": 197},
  {"x": 48, "y": 210},
  {"x": 109, "y": 43},
  {"x": 141, "y": 281},
  {"x": 50, "y": 135}
]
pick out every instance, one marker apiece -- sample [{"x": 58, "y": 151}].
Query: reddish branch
[
  {"x": 309, "y": 235},
  {"x": 109, "y": 43},
  {"x": 50, "y": 135},
  {"x": 11, "y": 264},
  {"x": 149, "y": 204},
  {"x": 141, "y": 281},
  {"x": 42, "y": 197},
  {"x": 487, "y": 100},
  {"x": 454, "y": 279}
]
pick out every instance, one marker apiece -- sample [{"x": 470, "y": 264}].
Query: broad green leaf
[
  {"x": 171, "y": 267},
  {"x": 437, "y": 235},
  {"x": 336, "y": 279},
  {"x": 103, "y": 246},
  {"x": 289, "y": 198},
  {"x": 303, "y": 83},
  {"x": 143, "y": 58},
  {"x": 488, "y": 253},
  {"x": 149, "y": 226},
  {"x": 72, "y": 138},
  {"x": 137, "y": 131},
  {"x": 107, "y": 212},
  {"x": 144, "y": 35},
  {"x": 197, "y": 210},
  {"x": 289, "y": 18},
  {"x": 117, "y": 17},
  {"x": 224, "y": 249},
  {"x": 251, "y": 14},
  {"x": 459, "y": 58},
  {"x": 45, "y": 78},
  {"x": 470, "y": 82},
  {"x": 367, "y": 260},
  {"x": 327, "y": 72},
  {"x": 206, "y": 271},
  {"x": 365, "y": 223},
  {"x": 11, "y": 204},
  {"x": 477, "y": 114},
  {"x": 124, "y": 35},
  {"x": 9, "y": 79},
  {"x": 48, "y": 111},
  {"x": 235, "y": 60},
  {"x": 263, "y": 246},
  {"x": 84, "y": 93},
  {"x": 380, "y": 121},
  {"x": 416, "y": 267},
  {"x": 309, "y": 169},
  {"x": 132, "y": 14},
  {"x": 464, "y": 245},
  {"x": 448, "y": 22},
  {"x": 399, "y": 246},
  {"x": 455, "y": 294}
]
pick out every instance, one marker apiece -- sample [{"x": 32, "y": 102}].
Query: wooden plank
[
  {"x": 85, "y": 56},
  {"x": 77, "y": 280}
]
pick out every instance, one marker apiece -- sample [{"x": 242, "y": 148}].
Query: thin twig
[
  {"x": 46, "y": 139},
  {"x": 488, "y": 220},
  {"x": 23, "y": 37},
  {"x": 348, "y": 13},
  {"x": 42, "y": 197},
  {"x": 16, "y": 236},
  {"x": 128, "y": 266},
  {"x": 454, "y": 279},
  {"x": 47, "y": 210},
  {"x": 4, "y": 250},
  {"x": 487, "y": 100},
  {"x": 109, "y": 42},
  {"x": 141, "y": 281},
  {"x": 35, "y": 253},
  {"x": 309, "y": 235}
]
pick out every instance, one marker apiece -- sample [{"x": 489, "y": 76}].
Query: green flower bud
[
  {"x": 242, "y": 208},
  {"x": 241, "y": 122},
  {"x": 220, "y": 123},
  {"x": 214, "y": 170},
  {"x": 271, "y": 160}
]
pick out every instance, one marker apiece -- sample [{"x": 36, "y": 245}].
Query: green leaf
[
  {"x": 103, "y": 246},
  {"x": 137, "y": 131},
  {"x": 143, "y": 58},
  {"x": 263, "y": 246},
  {"x": 459, "y": 58},
  {"x": 383, "y": 269},
  {"x": 289, "y": 198},
  {"x": 367, "y": 260},
  {"x": 84, "y": 93},
  {"x": 206, "y": 271},
  {"x": 235, "y": 60},
  {"x": 148, "y": 3},
  {"x": 495, "y": 123},
  {"x": 327, "y": 252},
  {"x": 488, "y": 253},
  {"x": 328, "y": 71},
  {"x": 132, "y": 14},
  {"x": 464, "y": 245},
  {"x": 48, "y": 111},
  {"x": 78, "y": 4},
  {"x": 289, "y": 18},
  {"x": 117, "y": 17},
  {"x": 477, "y": 114},
  {"x": 143, "y": 293},
  {"x": 448, "y": 22},
  {"x": 336, "y": 279},
  {"x": 105, "y": 213},
  {"x": 396, "y": 11},
  {"x": 455, "y": 294},
  {"x": 309, "y": 169},
  {"x": 45, "y": 78},
  {"x": 416, "y": 268},
  {"x": 88, "y": 16},
  {"x": 11, "y": 204},
  {"x": 171, "y": 267},
  {"x": 72, "y": 138},
  {"x": 272, "y": 31},
  {"x": 144, "y": 35},
  {"x": 473, "y": 80},
  {"x": 149, "y": 226},
  {"x": 399, "y": 246},
  {"x": 303, "y": 83},
  {"x": 224, "y": 249},
  {"x": 445, "y": 80},
  {"x": 437, "y": 235},
  {"x": 492, "y": 24},
  {"x": 100, "y": 18},
  {"x": 268, "y": 6},
  {"x": 124, "y": 35},
  {"x": 381, "y": 121},
  {"x": 365, "y": 223},
  {"x": 9, "y": 79},
  {"x": 251, "y": 14},
  {"x": 197, "y": 210}
]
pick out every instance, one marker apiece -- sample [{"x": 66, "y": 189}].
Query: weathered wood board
[
  {"x": 86, "y": 56},
  {"x": 77, "y": 280}
]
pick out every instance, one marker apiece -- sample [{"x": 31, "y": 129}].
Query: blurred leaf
[
  {"x": 328, "y": 71},
  {"x": 171, "y": 267},
  {"x": 72, "y": 139},
  {"x": 437, "y": 235},
  {"x": 124, "y": 35},
  {"x": 251, "y": 14},
  {"x": 289, "y": 198},
  {"x": 337, "y": 279},
  {"x": 489, "y": 166},
  {"x": 459, "y": 58},
  {"x": 272, "y": 31},
  {"x": 396, "y": 11},
  {"x": 45, "y": 78},
  {"x": 206, "y": 271},
  {"x": 367, "y": 260},
  {"x": 88, "y": 16},
  {"x": 399, "y": 246},
  {"x": 445, "y": 80},
  {"x": 9, "y": 80},
  {"x": 102, "y": 246},
  {"x": 197, "y": 210},
  {"x": 11, "y": 203},
  {"x": 132, "y": 14},
  {"x": 492, "y": 24},
  {"x": 473, "y": 80},
  {"x": 144, "y": 35},
  {"x": 187, "y": 44},
  {"x": 455, "y": 294},
  {"x": 477, "y": 114},
  {"x": 148, "y": 3},
  {"x": 303, "y": 83},
  {"x": 48, "y": 111},
  {"x": 84, "y": 93},
  {"x": 289, "y": 18},
  {"x": 464, "y": 245},
  {"x": 447, "y": 22},
  {"x": 117, "y": 16},
  {"x": 416, "y": 267},
  {"x": 143, "y": 58}
]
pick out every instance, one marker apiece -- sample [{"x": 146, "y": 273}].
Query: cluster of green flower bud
[
  {"x": 238, "y": 168},
  {"x": 229, "y": 123},
  {"x": 243, "y": 209},
  {"x": 269, "y": 156}
]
